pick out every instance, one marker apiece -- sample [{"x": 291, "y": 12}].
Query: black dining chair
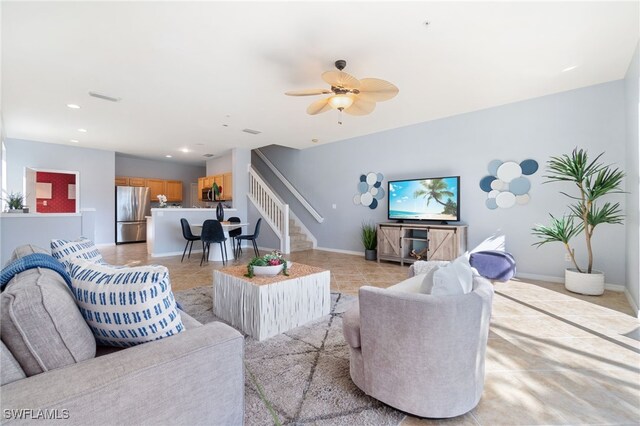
[
  {"x": 234, "y": 233},
  {"x": 212, "y": 232},
  {"x": 251, "y": 238},
  {"x": 188, "y": 235}
]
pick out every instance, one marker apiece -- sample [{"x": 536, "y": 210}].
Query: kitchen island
[{"x": 164, "y": 232}]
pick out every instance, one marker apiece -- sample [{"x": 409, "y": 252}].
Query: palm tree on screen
[{"x": 434, "y": 189}]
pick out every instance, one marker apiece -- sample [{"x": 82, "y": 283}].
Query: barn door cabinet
[{"x": 406, "y": 243}]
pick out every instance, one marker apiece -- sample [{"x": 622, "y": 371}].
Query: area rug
[{"x": 303, "y": 374}]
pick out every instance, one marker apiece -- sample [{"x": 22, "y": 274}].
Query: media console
[{"x": 408, "y": 242}]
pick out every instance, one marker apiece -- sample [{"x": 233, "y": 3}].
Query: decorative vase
[
  {"x": 220, "y": 212},
  {"x": 371, "y": 254},
  {"x": 578, "y": 282}
]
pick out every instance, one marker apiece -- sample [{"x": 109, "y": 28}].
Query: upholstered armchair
[{"x": 420, "y": 353}]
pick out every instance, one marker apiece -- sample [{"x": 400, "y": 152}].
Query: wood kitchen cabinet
[
  {"x": 174, "y": 190},
  {"x": 137, "y": 181},
  {"x": 122, "y": 181},
  {"x": 156, "y": 187},
  {"x": 227, "y": 186},
  {"x": 225, "y": 181}
]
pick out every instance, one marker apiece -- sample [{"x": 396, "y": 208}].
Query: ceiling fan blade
[
  {"x": 341, "y": 79},
  {"x": 360, "y": 107},
  {"x": 319, "y": 107},
  {"x": 308, "y": 92},
  {"x": 376, "y": 90}
]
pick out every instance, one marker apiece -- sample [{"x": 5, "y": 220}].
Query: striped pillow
[
  {"x": 65, "y": 251},
  {"x": 125, "y": 306}
]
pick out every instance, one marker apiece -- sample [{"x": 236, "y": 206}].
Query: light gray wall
[
  {"x": 592, "y": 118},
  {"x": 632, "y": 91},
  {"x": 218, "y": 165},
  {"x": 168, "y": 170},
  {"x": 96, "y": 168},
  {"x": 18, "y": 229}
]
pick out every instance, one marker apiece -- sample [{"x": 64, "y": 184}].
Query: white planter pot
[
  {"x": 591, "y": 284},
  {"x": 270, "y": 270}
]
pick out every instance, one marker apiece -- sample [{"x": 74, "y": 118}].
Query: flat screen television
[{"x": 433, "y": 199}]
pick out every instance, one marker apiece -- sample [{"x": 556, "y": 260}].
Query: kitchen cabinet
[
  {"x": 227, "y": 186},
  {"x": 174, "y": 190},
  {"x": 137, "y": 181},
  {"x": 122, "y": 181},
  {"x": 156, "y": 187},
  {"x": 225, "y": 181}
]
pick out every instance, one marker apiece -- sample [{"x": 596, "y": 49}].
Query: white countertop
[
  {"x": 177, "y": 209},
  {"x": 41, "y": 215}
]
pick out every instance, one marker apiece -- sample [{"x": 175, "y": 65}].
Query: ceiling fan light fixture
[{"x": 340, "y": 102}]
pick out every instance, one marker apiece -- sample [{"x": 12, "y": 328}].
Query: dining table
[{"x": 214, "y": 252}]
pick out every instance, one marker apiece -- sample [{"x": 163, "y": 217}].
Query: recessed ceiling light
[
  {"x": 185, "y": 150},
  {"x": 314, "y": 140},
  {"x": 225, "y": 125},
  {"x": 573, "y": 67},
  {"x": 168, "y": 156},
  {"x": 73, "y": 106},
  {"x": 251, "y": 131},
  {"x": 74, "y": 140},
  {"x": 200, "y": 144},
  {"x": 105, "y": 97},
  {"x": 82, "y": 130}
]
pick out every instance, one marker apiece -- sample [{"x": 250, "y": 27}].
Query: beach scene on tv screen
[{"x": 427, "y": 199}]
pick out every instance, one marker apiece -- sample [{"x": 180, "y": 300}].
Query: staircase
[{"x": 298, "y": 239}]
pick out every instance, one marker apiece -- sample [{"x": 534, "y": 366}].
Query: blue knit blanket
[{"x": 30, "y": 261}]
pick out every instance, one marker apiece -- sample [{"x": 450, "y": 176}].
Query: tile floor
[{"x": 553, "y": 357}]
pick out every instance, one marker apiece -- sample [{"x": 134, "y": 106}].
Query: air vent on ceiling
[
  {"x": 208, "y": 155},
  {"x": 251, "y": 131},
  {"x": 105, "y": 97}
]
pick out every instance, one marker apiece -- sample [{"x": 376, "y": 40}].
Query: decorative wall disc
[
  {"x": 370, "y": 190},
  {"x": 507, "y": 184}
]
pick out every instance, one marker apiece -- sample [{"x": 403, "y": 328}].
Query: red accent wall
[{"x": 59, "y": 202}]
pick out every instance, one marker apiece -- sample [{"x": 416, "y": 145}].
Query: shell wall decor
[
  {"x": 370, "y": 190},
  {"x": 507, "y": 184}
]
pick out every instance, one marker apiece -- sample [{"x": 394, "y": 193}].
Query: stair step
[
  {"x": 301, "y": 245},
  {"x": 293, "y": 229},
  {"x": 297, "y": 236}
]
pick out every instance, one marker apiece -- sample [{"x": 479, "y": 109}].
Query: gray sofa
[
  {"x": 53, "y": 367},
  {"x": 419, "y": 353}
]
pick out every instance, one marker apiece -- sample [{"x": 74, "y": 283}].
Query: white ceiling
[{"x": 185, "y": 69}]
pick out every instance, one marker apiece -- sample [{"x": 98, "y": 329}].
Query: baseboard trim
[
  {"x": 105, "y": 244},
  {"x": 632, "y": 303},
  {"x": 356, "y": 253},
  {"x": 174, "y": 253},
  {"x": 560, "y": 280}
]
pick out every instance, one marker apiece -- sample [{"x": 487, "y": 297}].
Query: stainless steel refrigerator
[{"x": 132, "y": 205}]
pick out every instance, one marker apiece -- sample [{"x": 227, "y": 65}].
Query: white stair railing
[
  {"x": 274, "y": 211},
  {"x": 290, "y": 187}
]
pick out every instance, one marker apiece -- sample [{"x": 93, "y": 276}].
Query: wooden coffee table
[{"x": 264, "y": 306}]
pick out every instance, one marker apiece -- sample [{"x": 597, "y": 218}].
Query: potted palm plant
[
  {"x": 369, "y": 236},
  {"x": 593, "y": 181}
]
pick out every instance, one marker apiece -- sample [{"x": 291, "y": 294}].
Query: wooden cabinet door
[
  {"x": 156, "y": 187},
  {"x": 135, "y": 181},
  {"x": 174, "y": 190},
  {"x": 200, "y": 187},
  {"x": 227, "y": 186},
  {"x": 122, "y": 181},
  {"x": 389, "y": 241},
  {"x": 442, "y": 244}
]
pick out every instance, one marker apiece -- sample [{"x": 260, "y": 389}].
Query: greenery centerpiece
[
  {"x": 369, "y": 237},
  {"x": 593, "y": 180},
  {"x": 274, "y": 259}
]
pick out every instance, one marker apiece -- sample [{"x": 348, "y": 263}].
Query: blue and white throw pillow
[
  {"x": 126, "y": 306},
  {"x": 64, "y": 251}
]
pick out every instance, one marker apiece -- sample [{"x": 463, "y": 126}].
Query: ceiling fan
[{"x": 348, "y": 94}]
